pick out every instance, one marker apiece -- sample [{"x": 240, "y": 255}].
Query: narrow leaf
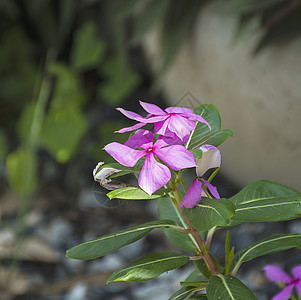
[
  {"x": 132, "y": 193},
  {"x": 183, "y": 293},
  {"x": 228, "y": 288},
  {"x": 149, "y": 267},
  {"x": 210, "y": 212},
  {"x": 199, "y": 297},
  {"x": 112, "y": 242},
  {"x": 266, "y": 201},
  {"x": 274, "y": 243},
  {"x": 202, "y": 268},
  {"x": 195, "y": 276}
]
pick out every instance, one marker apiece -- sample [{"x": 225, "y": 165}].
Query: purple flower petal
[
  {"x": 161, "y": 127},
  {"x": 284, "y": 294},
  {"x": 178, "y": 110},
  {"x": 141, "y": 139},
  {"x": 172, "y": 139},
  {"x": 211, "y": 158},
  {"x": 177, "y": 157},
  {"x": 193, "y": 195},
  {"x": 212, "y": 189},
  {"x": 298, "y": 287},
  {"x": 180, "y": 126},
  {"x": 196, "y": 118},
  {"x": 130, "y": 114},
  {"x": 123, "y": 154},
  {"x": 275, "y": 274},
  {"x": 296, "y": 271},
  {"x": 152, "y": 108},
  {"x": 153, "y": 175},
  {"x": 131, "y": 128}
]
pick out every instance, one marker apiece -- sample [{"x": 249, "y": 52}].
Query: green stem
[
  {"x": 213, "y": 175},
  {"x": 210, "y": 236},
  {"x": 195, "y": 233}
]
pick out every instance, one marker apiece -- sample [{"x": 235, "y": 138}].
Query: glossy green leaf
[
  {"x": 266, "y": 201},
  {"x": 195, "y": 276},
  {"x": 168, "y": 211},
  {"x": 202, "y": 268},
  {"x": 88, "y": 50},
  {"x": 149, "y": 267},
  {"x": 199, "y": 297},
  {"x": 203, "y": 134},
  {"x": 228, "y": 288},
  {"x": 197, "y": 153},
  {"x": 272, "y": 244},
  {"x": 216, "y": 138},
  {"x": 113, "y": 241},
  {"x": 210, "y": 212},
  {"x": 183, "y": 293},
  {"x": 131, "y": 193}
]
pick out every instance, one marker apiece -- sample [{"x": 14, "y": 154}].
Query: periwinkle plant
[{"x": 184, "y": 139}]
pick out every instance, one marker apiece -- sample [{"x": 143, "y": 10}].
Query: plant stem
[
  {"x": 210, "y": 236},
  {"x": 195, "y": 233}
]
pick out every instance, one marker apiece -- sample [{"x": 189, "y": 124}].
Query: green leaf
[
  {"x": 131, "y": 193},
  {"x": 120, "y": 83},
  {"x": 228, "y": 288},
  {"x": 266, "y": 201},
  {"x": 21, "y": 170},
  {"x": 209, "y": 213},
  {"x": 149, "y": 267},
  {"x": 67, "y": 91},
  {"x": 113, "y": 241},
  {"x": 197, "y": 153},
  {"x": 216, "y": 138},
  {"x": 272, "y": 244},
  {"x": 195, "y": 276},
  {"x": 202, "y": 268},
  {"x": 183, "y": 293},
  {"x": 228, "y": 254},
  {"x": 88, "y": 50},
  {"x": 199, "y": 297},
  {"x": 62, "y": 131},
  {"x": 168, "y": 211},
  {"x": 202, "y": 134}
]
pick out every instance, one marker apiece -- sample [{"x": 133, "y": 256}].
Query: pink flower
[
  {"x": 154, "y": 174},
  {"x": 173, "y": 122},
  {"x": 275, "y": 274},
  {"x": 196, "y": 191},
  {"x": 211, "y": 158}
]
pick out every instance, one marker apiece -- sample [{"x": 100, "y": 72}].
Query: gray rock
[{"x": 78, "y": 292}]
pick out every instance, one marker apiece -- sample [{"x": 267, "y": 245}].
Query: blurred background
[{"x": 64, "y": 68}]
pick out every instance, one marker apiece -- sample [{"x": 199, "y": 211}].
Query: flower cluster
[{"x": 165, "y": 150}]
